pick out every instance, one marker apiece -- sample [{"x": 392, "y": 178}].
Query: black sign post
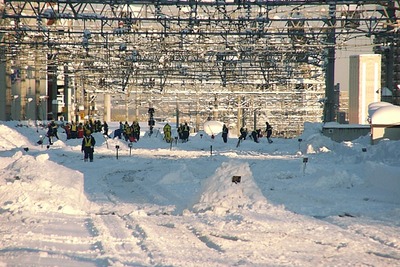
[
  {"x": 305, "y": 160},
  {"x": 130, "y": 148},
  {"x": 117, "y": 148}
]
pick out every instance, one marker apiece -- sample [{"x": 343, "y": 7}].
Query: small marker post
[
  {"x": 117, "y": 148},
  {"x": 305, "y": 160},
  {"x": 130, "y": 148}
]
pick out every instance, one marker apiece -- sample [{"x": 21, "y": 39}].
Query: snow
[
  {"x": 213, "y": 127},
  {"x": 372, "y": 107},
  {"x": 385, "y": 114},
  {"x": 312, "y": 202}
]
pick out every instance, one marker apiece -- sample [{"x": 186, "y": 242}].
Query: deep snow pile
[
  {"x": 39, "y": 183},
  {"x": 221, "y": 196},
  {"x": 10, "y": 139}
]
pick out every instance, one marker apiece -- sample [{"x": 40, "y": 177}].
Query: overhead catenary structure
[{"x": 236, "y": 61}]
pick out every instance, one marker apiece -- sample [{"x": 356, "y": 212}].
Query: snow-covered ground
[{"x": 162, "y": 205}]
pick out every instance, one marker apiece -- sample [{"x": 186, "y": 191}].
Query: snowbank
[
  {"x": 315, "y": 141},
  {"x": 25, "y": 188},
  {"x": 221, "y": 195},
  {"x": 10, "y": 139}
]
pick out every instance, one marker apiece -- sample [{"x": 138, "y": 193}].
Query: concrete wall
[
  {"x": 379, "y": 132},
  {"x": 346, "y": 133}
]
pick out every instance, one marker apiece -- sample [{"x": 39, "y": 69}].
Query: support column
[
  {"x": 329, "y": 107},
  {"x": 4, "y": 97},
  {"x": 215, "y": 109},
  {"x": 239, "y": 115},
  {"x": 389, "y": 70},
  {"x": 137, "y": 105},
  {"x": 23, "y": 91},
  {"x": 243, "y": 112},
  {"x": 254, "y": 113},
  {"x": 197, "y": 111},
  {"x": 177, "y": 113},
  {"x": 127, "y": 107},
  {"x": 107, "y": 108},
  {"x": 52, "y": 84},
  {"x": 255, "y": 120},
  {"x": 67, "y": 95},
  {"x": 15, "y": 84},
  {"x": 37, "y": 99}
]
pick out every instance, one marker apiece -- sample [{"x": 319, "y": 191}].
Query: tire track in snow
[
  {"x": 205, "y": 239},
  {"x": 141, "y": 193},
  {"x": 118, "y": 240},
  {"x": 385, "y": 236},
  {"x": 140, "y": 234},
  {"x": 156, "y": 239}
]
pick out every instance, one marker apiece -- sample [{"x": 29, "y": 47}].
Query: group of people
[
  {"x": 130, "y": 133},
  {"x": 78, "y": 131},
  {"x": 183, "y": 132},
  {"x": 74, "y": 130},
  {"x": 256, "y": 134},
  {"x": 184, "y": 129}
]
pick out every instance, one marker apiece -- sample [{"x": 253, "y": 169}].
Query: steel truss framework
[{"x": 273, "y": 58}]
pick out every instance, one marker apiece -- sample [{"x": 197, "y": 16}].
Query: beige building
[{"x": 364, "y": 86}]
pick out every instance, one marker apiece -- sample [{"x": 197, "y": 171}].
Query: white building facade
[{"x": 364, "y": 86}]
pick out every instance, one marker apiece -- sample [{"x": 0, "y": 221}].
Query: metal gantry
[{"x": 273, "y": 58}]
